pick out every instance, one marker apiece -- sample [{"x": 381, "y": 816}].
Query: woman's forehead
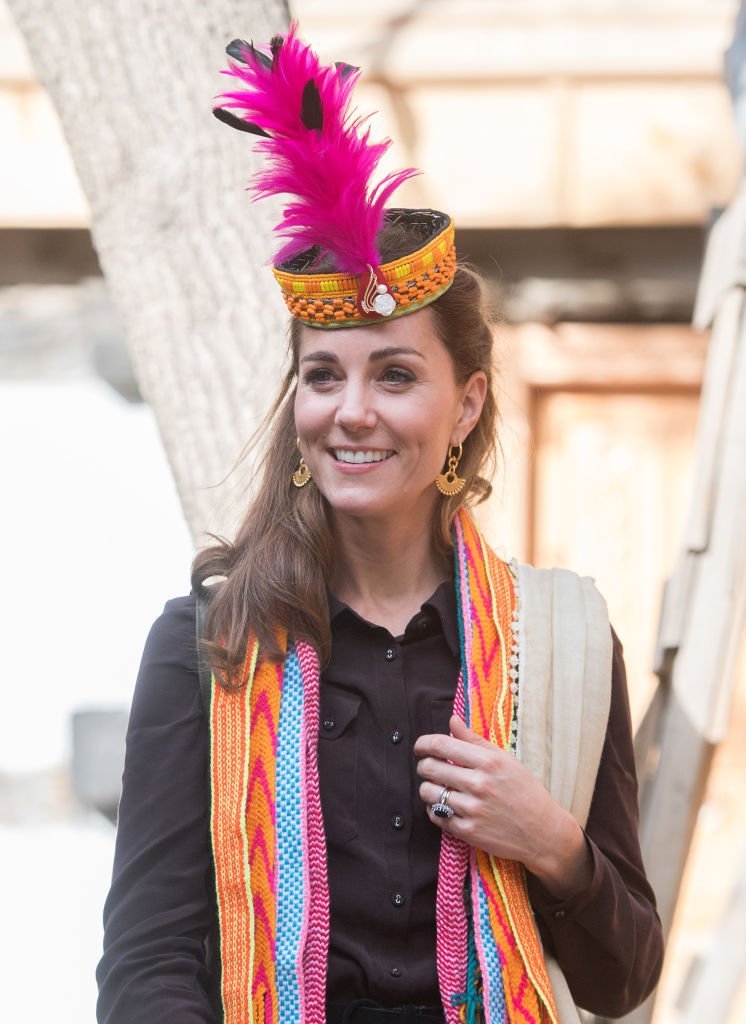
[{"x": 417, "y": 330}]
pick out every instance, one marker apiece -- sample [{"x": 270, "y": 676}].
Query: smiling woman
[
  {"x": 411, "y": 795},
  {"x": 375, "y": 415},
  {"x": 413, "y": 386}
]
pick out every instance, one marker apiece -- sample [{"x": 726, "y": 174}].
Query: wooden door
[{"x": 612, "y": 476}]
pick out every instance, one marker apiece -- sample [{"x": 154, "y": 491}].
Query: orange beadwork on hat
[{"x": 413, "y": 281}]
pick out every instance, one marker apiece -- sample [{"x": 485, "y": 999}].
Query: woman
[{"x": 348, "y": 819}]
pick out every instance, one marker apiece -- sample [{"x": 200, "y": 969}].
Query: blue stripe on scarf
[
  {"x": 289, "y": 842},
  {"x": 493, "y": 989}
]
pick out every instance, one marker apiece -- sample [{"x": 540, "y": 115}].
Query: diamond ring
[{"x": 441, "y": 808}]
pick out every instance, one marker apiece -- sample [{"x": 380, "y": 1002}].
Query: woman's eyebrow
[
  {"x": 381, "y": 353},
  {"x": 320, "y": 357},
  {"x": 387, "y": 353}
]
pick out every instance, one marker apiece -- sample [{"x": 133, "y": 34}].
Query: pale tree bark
[{"x": 183, "y": 249}]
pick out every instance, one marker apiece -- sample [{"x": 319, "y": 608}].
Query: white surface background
[{"x": 93, "y": 543}]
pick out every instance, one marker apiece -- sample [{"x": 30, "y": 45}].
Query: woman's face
[{"x": 375, "y": 411}]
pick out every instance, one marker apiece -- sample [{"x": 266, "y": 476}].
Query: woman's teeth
[{"x": 344, "y": 455}]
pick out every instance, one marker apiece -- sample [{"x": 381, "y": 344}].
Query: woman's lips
[{"x": 361, "y": 456}]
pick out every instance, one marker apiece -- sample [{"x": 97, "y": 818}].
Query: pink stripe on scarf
[
  {"x": 450, "y": 912},
  {"x": 315, "y": 936}
]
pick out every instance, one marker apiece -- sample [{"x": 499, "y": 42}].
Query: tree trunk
[{"x": 183, "y": 249}]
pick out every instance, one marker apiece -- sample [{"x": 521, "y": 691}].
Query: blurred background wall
[{"x": 581, "y": 148}]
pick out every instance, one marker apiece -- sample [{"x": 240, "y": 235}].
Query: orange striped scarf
[{"x": 268, "y": 842}]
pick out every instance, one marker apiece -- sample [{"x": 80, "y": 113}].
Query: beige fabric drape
[{"x": 565, "y": 651}]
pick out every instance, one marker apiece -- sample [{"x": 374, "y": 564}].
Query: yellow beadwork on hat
[{"x": 414, "y": 280}]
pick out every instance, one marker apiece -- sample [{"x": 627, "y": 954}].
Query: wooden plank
[
  {"x": 723, "y": 267},
  {"x": 720, "y": 972},
  {"x": 648, "y": 739},
  {"x": 720, "y": 374},
  {"x": 704, "y": 668},
  {"x": 669, "y": 818},
  {"x": 709, "y": 612},
  {"x": 668, "y": 357}
]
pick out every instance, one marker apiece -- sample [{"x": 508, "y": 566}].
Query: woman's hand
[{"x": 501, "y": 808}]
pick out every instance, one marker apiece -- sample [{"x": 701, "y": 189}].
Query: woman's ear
[{"x": 472, "y": 401}]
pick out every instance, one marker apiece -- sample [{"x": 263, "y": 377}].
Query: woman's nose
[{"x": 355, "y": 410}]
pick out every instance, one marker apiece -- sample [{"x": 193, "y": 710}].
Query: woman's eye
[
  {"x": 319, "y": 375},
  {"x": 397, "y": 375}
]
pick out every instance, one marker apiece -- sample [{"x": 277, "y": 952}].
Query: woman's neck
[{"x": 386, "y": 570}]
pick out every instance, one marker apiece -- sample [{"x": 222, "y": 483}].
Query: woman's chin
[{"x": 365, "y": 502}]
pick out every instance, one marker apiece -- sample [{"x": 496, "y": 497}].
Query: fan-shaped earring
[
  {"x": 450, "y": 483},
  {"x": 302, "y": 474}
]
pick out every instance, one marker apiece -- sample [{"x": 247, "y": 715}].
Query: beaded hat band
[{"x": 393, "y": 289}]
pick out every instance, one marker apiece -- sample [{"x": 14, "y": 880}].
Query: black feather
[
  {"x": 345, "y": 69},
  {"x": 237, "y": 122},
  {"x": 236, "y": 49},
  {"x": 275, "y": 45},
  {"x": 311, "y": 111},
  {"x": 263, "y": 59}
]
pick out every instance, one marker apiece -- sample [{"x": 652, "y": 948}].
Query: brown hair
[{"x": 276, "y": 570}]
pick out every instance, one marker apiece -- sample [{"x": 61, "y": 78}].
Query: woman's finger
[
  {"x": 430, "y": 794},
  {"x": 448, "y": 749},
  {"x": 466, "y": 748},
  {"x": 444, "y": 774}
]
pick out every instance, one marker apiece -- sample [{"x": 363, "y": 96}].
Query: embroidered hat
[{"x": 320, "y": 154}]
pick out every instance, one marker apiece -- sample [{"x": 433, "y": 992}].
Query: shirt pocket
[
  {"x": 338, "y": 766},
  {"x": 441, "y": 709}
]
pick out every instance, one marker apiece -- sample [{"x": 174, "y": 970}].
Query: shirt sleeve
[
  {"x": 613, "y": 924},
  {"x": 160, "y": 907}
]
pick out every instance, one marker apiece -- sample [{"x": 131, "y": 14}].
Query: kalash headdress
[{"x": 319, "y": 152}]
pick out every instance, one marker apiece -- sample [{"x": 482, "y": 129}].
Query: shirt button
[
  {"x": 398, "y": 899},
  {"x": 397, "y": 821},
  {"x": 396, "y": 736},
  {"x": 329, "y": 724},
  {"x": 559, "y": 914},
  {"x": 395, "y": 972},
  {"x": 390, "y": 654}
]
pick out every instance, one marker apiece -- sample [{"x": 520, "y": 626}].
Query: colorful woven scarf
[{"x": 269, "y": 847}]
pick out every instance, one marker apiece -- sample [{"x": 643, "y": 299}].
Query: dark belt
[{"x": 364, "y": 1012}]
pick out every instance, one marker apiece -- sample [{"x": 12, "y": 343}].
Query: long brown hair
[{"x": 276, "y": 570}]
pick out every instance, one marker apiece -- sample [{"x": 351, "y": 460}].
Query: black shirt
[
  {"x": 381, "y": 693},
  {"x": 378, "y": 694}
]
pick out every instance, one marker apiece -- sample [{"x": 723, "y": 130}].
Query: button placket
[
  {"x": 395, "y": 698},
  {"x": 397, "y": 771}
]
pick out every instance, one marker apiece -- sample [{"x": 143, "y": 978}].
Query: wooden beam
[
  {"x": 619, "y": 357},
  {"x": 702, "y": 621},
  {"x": 719, "y": 974}
]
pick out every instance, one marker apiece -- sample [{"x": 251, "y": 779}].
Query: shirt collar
[{"x": 442, "y": 602}]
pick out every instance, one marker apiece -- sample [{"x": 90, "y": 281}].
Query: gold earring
[
  {"x": 302, "y": 474},
  {"x": 450, "y": 483}
]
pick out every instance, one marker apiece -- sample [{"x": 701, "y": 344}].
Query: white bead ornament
[{"x": 384, "y": 302}]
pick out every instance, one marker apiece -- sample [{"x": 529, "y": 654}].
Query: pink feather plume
[{"x": 328, "y": 167}]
